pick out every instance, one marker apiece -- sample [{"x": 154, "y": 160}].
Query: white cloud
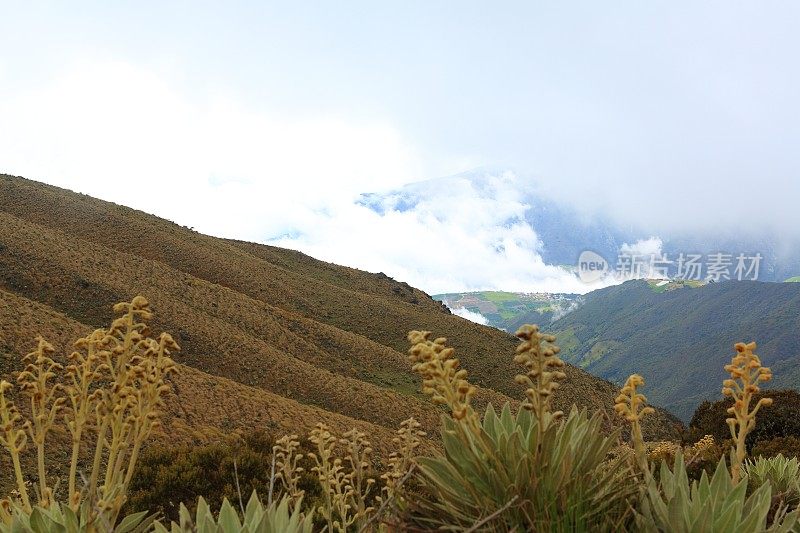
[
  {"x": 643, "y": 256},
  {"x": 472, "y": 316},
  {"x": 125, "y": 134},
  {"x": 453, "y": 237},
  {"x": 643, "y": 247}
]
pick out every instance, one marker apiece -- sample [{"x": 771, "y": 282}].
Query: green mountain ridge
[{"x": 679, "y": 340}]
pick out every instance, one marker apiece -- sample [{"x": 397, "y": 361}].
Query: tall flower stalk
[
  {"x": 632, "y": 406},
  {"x": 746, "y": 373},
  {"x": 539, "y": 355},
  {"x": 113, "y": 387},
  {"x": 442, "y": 379},
  {"x": 45, "y": 405}
]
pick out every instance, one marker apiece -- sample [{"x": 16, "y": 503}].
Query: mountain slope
[
  {"x": 680, "y": 340},
  {"x": 275, "y": 322}
]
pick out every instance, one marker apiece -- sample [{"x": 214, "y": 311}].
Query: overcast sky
[{"x": 263, "y": 121}]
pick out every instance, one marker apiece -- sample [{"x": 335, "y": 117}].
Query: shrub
[
  {"x": 781, "y": 419},
  {"x": 701, "y": 456},
  {"x": 505, "y": 471},
  {"x": 166, "y": 477},
  {"x": 673, "y": 504},
  {"x": 781, "y": 474},
  {"x": 786, "y": 446}
]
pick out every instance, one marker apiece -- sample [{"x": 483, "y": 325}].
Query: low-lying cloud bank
[
  {"x": 338, "y": 188},
  {"x": 472, "y": 316},
  {"x": 453, "y": 234},
  {"x": 126, "y": 134}
]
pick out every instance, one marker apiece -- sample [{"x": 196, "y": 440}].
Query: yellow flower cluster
[
  {"x": 705, "y": 449},
  {"x": 746, "y": 373},
  {"x": 663, "y": 451},
  {"x": 113, "y": 387},
  {"x": 539, "y": 356},
  {"x": 442, "y": 379},
  {"x": 344, "y": 492},
  {"x": 632, "y": 405},
  {"x": 704, "y": 444}
]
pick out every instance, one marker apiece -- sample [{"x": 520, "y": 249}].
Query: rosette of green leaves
[
  {"x": 780, "y": 473},
  {"x": 60, "y": 518},
  {"x": 503, "y": 477},
  {"x": 278, "y": 517},
  {"x": 675, "y": 505}
]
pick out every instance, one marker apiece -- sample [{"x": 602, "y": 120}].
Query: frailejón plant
[
  {"x": 746, "y": 373},
  {"x": 278, "y": 517},
  {"x": 632, "y": 405},
  {"x": 112, "y": 389},
  {"x": 523, "y": 472}
]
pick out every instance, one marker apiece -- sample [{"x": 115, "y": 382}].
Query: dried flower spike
[
  {"x": 539, "y": 356},
  {"x": 13, "y": 439},
  {"x": 746, "y": 373},
  {"x": 358, "y": 455},
  {"x": 442, "y": 379},
  {"x": 287, "y": 462},
  {"x": 46, "y": 403},
  {"x": 336, "y": 487},
  {"x": 632, "y": 406},
  {"x": 401, "y": 461}
]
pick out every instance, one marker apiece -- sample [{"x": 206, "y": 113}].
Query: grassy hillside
[
  {"x": 680, "y": 339},
  {"x": 269, "y": 336}
]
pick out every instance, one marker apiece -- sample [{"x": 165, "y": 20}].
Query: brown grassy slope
[
  {"x": 200, "y": 406},
  {"x": 236, "y": 340},
  {"x": 350, "y": 312}
]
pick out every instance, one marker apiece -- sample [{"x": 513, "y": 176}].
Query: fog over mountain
[
  {"x": 490, "y": 229},
  {"x": 621, "y": 123}
]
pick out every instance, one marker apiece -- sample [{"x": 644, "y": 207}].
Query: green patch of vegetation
[
  {"x": 568, "y": 342},
  {"x": 402, "y": 383},
  {"x": 498, "y": 297},
  {"x": 598, "y": 351},
  {"x": 508, "y": 311}
]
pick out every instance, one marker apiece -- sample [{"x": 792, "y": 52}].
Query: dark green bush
[
  {"x": 165, "y": 477},
  {"x": 786, "y": 446},
  {"x": 781, "y": 419}
]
